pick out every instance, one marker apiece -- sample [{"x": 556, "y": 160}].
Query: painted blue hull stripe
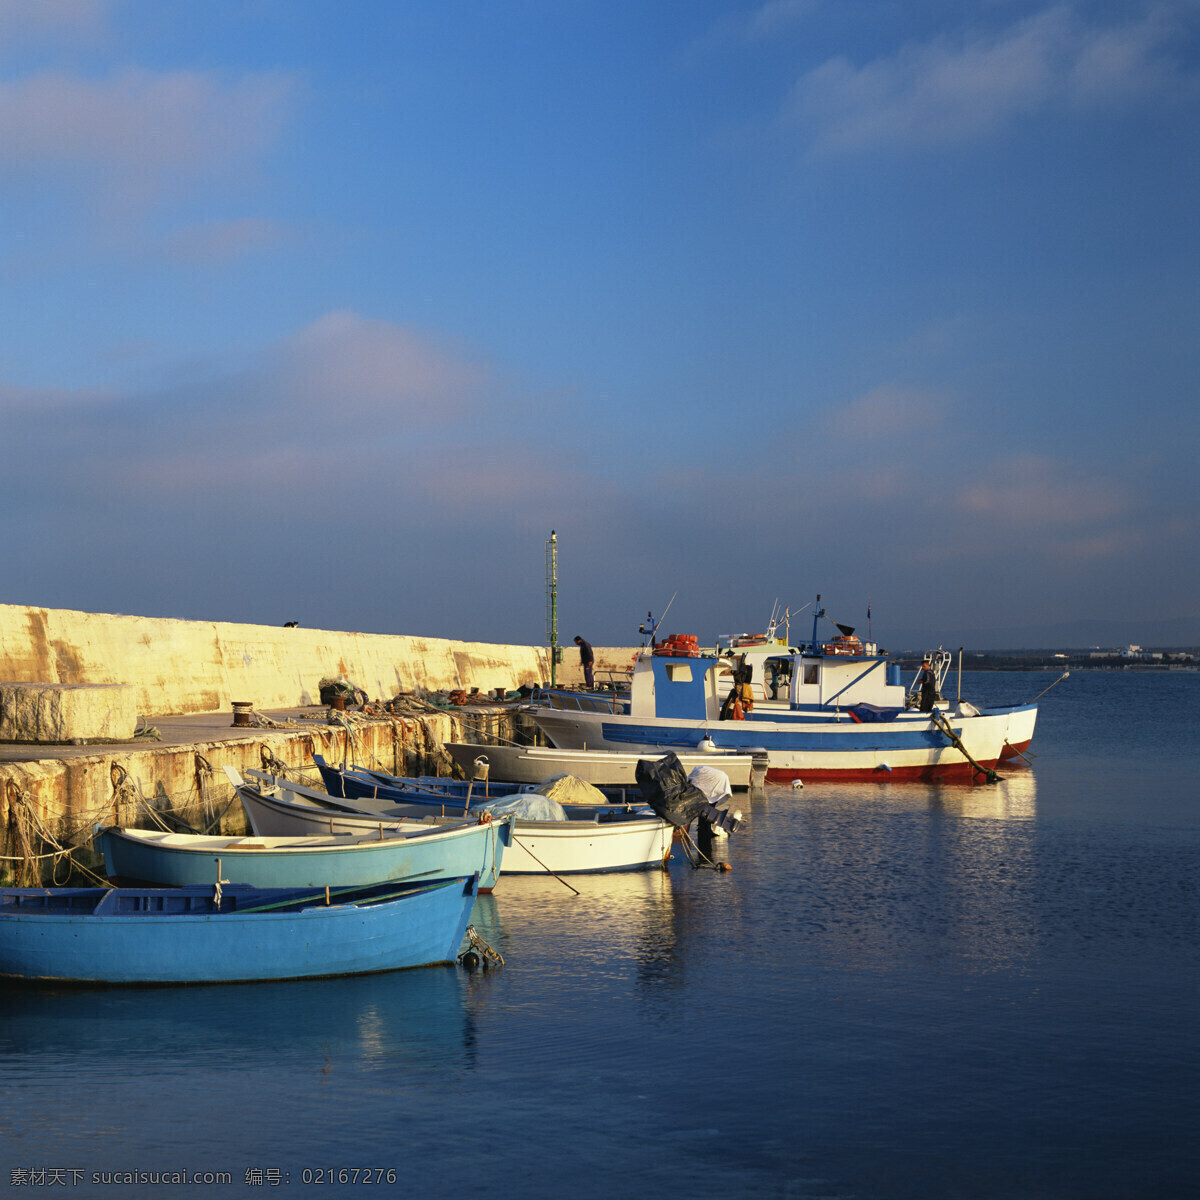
[{"x": 852, "y": 738}]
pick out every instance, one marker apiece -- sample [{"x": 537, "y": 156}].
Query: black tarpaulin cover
[{"x": 665, "y": 788}]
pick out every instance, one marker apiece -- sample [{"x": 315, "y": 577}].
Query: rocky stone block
[{"x": 67, "y": 714}]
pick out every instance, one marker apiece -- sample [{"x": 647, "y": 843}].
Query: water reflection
[
  {"x": 884, "y": 875},
  {"x": 378, "y": 1022},
  {"x": 631, "y": 909},
  {"x": 1014, "y": 798}
]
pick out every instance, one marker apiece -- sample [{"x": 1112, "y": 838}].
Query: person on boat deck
[
  {"x": 928, "y": 684},
  {"x": 587, "y": 660},
  {"x": 740, "y": 700}
]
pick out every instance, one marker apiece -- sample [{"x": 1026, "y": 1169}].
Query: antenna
[
  {"x": 668, "y": 608},
  {"x": 552, "y": 605},
  {"x": 787, "y": 621}
]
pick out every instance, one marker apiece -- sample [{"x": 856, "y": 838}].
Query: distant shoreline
[{"x": 1032, "y": 660}]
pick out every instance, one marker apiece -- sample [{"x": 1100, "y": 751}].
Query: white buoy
[{"x": 797, "y": 783}]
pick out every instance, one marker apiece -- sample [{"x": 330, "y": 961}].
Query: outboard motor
[{"x": 665, "y": 788}]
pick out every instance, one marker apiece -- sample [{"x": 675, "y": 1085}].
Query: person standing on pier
[{"x": 587, "y": 660}]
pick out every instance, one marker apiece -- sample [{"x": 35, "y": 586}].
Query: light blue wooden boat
[
  {"x": 231, "y": 934},
  {"x": 415, "y": 851}
]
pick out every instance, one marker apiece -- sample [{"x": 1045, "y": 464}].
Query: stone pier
[
  {"x": 73, "y": 686},
  {"x": 181, "y": 782}
]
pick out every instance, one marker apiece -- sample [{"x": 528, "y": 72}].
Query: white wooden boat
[
  {"x": 585, "y": 842},
  {"x": 602, "y": 768}
]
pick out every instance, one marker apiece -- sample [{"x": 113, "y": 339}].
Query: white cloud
[
  {"x": 768, "y": 19},
  {"x": 26, "y": 402},
  {"x": 344, "y": 407},
  {"x": 888, "y": 412},
  {"x": 137, "y": 129},
  {"x": 760, "y": 24},
  {"x": 952, "y": 89},
  {"x": 220, "y": 241},
  {"x": 353, "y": 366},
  {"x": 1035, "y": 492},
  {"x": 33, "y": 22}
]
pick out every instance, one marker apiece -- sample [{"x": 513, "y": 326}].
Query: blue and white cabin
[{"x": 818, "y": 683}]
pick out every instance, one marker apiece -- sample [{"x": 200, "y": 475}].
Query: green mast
[{"x": 552, "y": 606}]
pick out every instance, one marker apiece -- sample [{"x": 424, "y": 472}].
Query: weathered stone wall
[
  {"x": 201, "y": 666},
  {"x": 140, "y": 787},
  {"x": 204, "y": 666}
]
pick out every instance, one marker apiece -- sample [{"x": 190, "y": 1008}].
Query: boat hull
[
  {"x": 909, "y": 747},
  {"x": 372, "y": 791},
  {"x": 604, "y": 768},
  {"x": 183, "y": 938},
  {"x": 362, "y": 858},
  {"x": 461, "y": 795},
  {"x": 581, "y": 845},
  {"x": 1019, "y": 734},
  {"x": 586, "y": 847}
]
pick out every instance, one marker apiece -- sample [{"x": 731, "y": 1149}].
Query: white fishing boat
[
  {"x": 835, "y": 708},
  {"x": 578, "y": 842}
]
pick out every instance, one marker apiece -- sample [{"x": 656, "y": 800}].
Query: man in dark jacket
[
  {"x": 586, "y": 660},
  {"x": 928, "y": 685}
]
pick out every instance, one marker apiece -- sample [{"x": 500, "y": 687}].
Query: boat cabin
[
  {"x": 841, "y": 679},
  {"x": 681, "y": 686},
  {"x": 692, "y": 686}
]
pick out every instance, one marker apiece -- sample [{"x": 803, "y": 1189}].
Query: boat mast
[{"x": 552, "y": 606}]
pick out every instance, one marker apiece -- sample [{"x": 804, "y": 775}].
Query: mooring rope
[
  {"x": 686, "y": 840},
  {"x": 518, "y": 842},
  {"x": 488, "y": 957},
  {"x": 957, "y": 742}
]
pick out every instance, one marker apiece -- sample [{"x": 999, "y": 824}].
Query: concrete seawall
[
  {"x": 203, "y": 666},
  {"x": 175, "y": 667}
]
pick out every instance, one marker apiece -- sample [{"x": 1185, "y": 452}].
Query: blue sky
[{"x": 332, "y": 312}]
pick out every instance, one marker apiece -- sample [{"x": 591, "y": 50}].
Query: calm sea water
[{"x": 898, "y": 991}]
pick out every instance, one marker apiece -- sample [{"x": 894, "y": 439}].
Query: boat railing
[
  {"x": 613, "y": 680},
  {"x": 940, "y": 661},
  {"x": 604, "y": 702}
]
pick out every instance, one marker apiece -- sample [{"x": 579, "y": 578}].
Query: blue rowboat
[
  {"x": 414, "y": 851},
  {"x": 434, "y": 787},
  {"x": 449, "y": 797},
  {"x": 233, "y": 934}
]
